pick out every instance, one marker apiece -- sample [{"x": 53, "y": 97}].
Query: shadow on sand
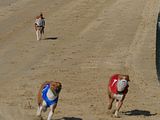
[
  {"x": 51, "y": 38},
  {"x": 69, "y": 118},
  {"x": 139, "y": 112}
]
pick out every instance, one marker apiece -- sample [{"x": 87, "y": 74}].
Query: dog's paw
[
  {"x": 44, "y": 109},
  {"x": 109, "y": 112},
  {"x": 113, "y": 111},
  {"x": 109, "y": 106},
  {"x": 116, "y": 116},
  {"x": 39, "y": 118}
]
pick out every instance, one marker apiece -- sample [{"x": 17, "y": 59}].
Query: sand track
[{"x": 95, "y": 38}]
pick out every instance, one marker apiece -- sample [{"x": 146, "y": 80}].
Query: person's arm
[{"x": 44, "y": 23}]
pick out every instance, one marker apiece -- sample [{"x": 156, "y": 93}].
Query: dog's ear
[
  {"x": 58, "y": 87},
  {"x": 127, "y": 77},
  {"x": 53, "y": 85},
  {"x": 59, "y": 84},
  {"x": 37, "y": 17}
]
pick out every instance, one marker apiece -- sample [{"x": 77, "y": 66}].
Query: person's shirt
[{"x": 40, "y": 22}]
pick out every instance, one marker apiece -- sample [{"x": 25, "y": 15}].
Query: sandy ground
[{"x": 87, "y": 41}]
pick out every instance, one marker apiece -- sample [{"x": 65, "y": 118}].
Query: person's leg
[
  {"x": 40, "y": 36},
  {"x": 41, "y": 32}
]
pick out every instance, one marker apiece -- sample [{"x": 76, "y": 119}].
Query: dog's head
[
  {"x": 122, "y": 82},
  {"x": 56, "y": 86},
  {"x": 125, "y": 77}
]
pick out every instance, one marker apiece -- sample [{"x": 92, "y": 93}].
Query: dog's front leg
[
  {"x": 50, "y": 115},
  {"x": 118, "y": 106},
  {"x": 52, "y": 107},
  {"x": 39, "y": 110},
  {"x": 117, "y": 110}
]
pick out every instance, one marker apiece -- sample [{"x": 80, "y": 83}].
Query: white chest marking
[{"x": 50, "y": 95}]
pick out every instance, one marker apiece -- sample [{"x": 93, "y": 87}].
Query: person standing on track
[{"x": 39, "y": 26}]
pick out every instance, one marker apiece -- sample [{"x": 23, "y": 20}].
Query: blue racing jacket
[{"x": 45, "y": 98}]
